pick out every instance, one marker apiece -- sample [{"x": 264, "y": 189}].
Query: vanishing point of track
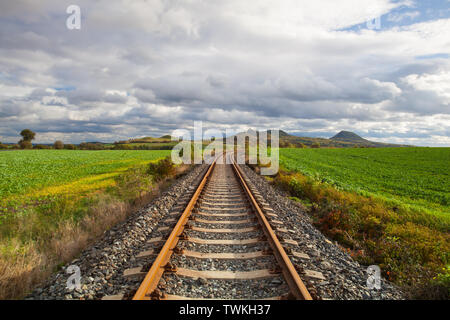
[{"x": 224, "y": 238}]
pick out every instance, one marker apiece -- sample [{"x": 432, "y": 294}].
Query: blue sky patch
[
  {"x": 434, "y": 56},
  {"x": 405, "y": 15},
  {"x": 68, "y": 88}
]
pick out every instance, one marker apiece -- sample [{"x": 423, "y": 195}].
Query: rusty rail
[
  {"x": 296, "y": 285},
  {"x": 152, "y": 278},
  {"x": 297, "y": 288}
]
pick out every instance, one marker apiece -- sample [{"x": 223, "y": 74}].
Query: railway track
[{"x": 224, "y": 239}]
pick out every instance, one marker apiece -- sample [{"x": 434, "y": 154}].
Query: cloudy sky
[{"x": 380, "y": 68}]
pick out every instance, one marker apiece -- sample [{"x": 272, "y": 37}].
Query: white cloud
[
  {"x": 147, "y": 67},
  {"x": 438, "y": 83}
]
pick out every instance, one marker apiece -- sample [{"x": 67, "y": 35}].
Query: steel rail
[
  {"x": 296, "y": 285},
  {"x": 153, "y": 276}
]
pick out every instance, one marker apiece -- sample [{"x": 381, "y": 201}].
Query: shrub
[
  {"x": 3, "y": 146},
  {"x": 315, "y": 145},
  {"x": 119, "y": 146},
  {"x": 69, "y": 147},
  {"x": 443, "y": 280},
  {"x": 58, "y": 145},
  {"x": 41, "y": 146},
  {"x": 24, "y": 144},
  {"x": 334, "y": 222},
  {"x": 91, "y": 146},
  {"x": 161, "y": 169}
]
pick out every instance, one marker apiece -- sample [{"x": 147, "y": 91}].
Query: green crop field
[
  {"x": 32, "y": 173},
  {"x": 414, "y": 177}
]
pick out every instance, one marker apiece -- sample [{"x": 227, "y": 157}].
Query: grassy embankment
[
  {"x": 54, "y": 202},
  {"x": 388, "y": 207}
]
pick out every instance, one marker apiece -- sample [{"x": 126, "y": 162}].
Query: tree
[
  {"x": 25, "y": 144},
  {"x": 58, "y": 145},
  {"x": 315, "y": 145},
  {"x": 27, "y": 135},
  {"x": 69, "y": 147}
]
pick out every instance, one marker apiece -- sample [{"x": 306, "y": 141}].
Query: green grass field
[
  {"x": 388, "y": 207},
  {"x": 414, "y": 177},
  {"x": 42, "y": 172}
]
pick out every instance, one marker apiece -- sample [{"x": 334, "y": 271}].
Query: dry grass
[
  {"x": 32, "y": 246},
  {"x": 20, "y": 269},
  {"x": 27, "y": 265}
]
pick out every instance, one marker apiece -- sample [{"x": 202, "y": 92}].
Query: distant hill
[
  {"x": 282, "y": 134},
  {"x": 351, "y": 137},
  {"x": 344, "y": 139},
  {"x": 163, "y": 139},
  {"x": 348, "y": 136}
]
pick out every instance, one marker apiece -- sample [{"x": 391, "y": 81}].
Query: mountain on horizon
[
  {"x": 348, "y": 136},
  {"x": 344, "y": 139}
]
